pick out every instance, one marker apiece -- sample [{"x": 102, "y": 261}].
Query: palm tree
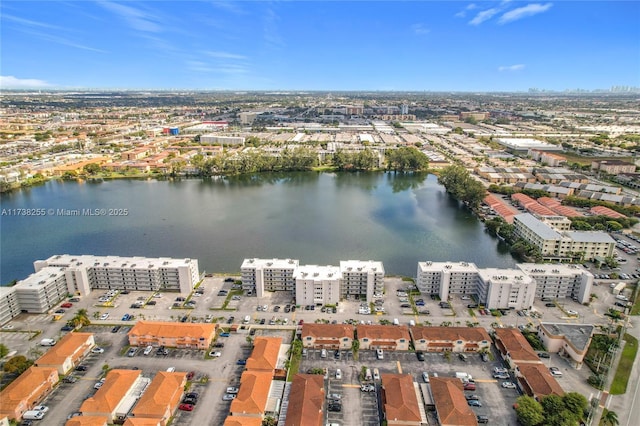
[
  {"x": 610, "y": 418},
  {"x": 80, "y": 319}
]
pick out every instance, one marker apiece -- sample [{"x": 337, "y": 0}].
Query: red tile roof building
[
  {"x": 27, "y": 391},
  {"x": 390, "y": 337},
  {"x": 328, "y": 336},
  {"x": 306, "y": 401},
  {"x": 264, "y": 356},
  {"x": 162, "y": 397},
  {"x": 451, "y": 405},
  {"x": 455, "y": 339},
  {"x": 399, "y": 400},
  {"x": 537, "y": 381},
  {"x": 514, "y": 347},
  {"x": 172, "y": 334},
  {"x": 67, "y": 353}
]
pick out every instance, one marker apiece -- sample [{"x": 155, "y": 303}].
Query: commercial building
[
  {"x": 525, "y": 144},
  {"x": 389, "y": 337},
  {"x": 399, "y": 400},
  {"x": 67, "y": 353},
  {"x": 570, "y": 341},
  {"x": 311, "y": 284},
  {"x": 116, "y": 396},
  {"x": 453, "y": 339},
  {"x": 327, "y": 336},
  {"x": 27, "y": 391},
  {"x": 306, "y": 401},
  {"x": 172, "y": 334},
  {"x": 162, "y": 397}
]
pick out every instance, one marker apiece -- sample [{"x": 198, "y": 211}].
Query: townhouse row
[{"x": 126, "y": 396}]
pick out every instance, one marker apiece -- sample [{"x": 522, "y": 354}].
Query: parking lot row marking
[
  {"x": 350, "y": 386},
  {"x": 399, "y": 367},
  {"x": 485, "y": 381}
]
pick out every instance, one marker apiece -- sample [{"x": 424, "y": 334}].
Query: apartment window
[{"x": 365, "y": 339}]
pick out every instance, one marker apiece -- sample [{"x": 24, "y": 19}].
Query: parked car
[
  {"x": 228, "y": 397},
  {"x": 482, "y": 419},
  {"x": 132, "y": 352},
  {"x": 241, "y": 362},
  {"x": 81, "y": 368},
  {"x": 420, "y": 355},
  {"x": 115, "y": 329},
  {"x": 379, "y": 354},
  {"x": 471, "y": 396},
  {"x": 544, "y": 355},
  {"x": 97, "y": 350},
  {"x": 232, "y": 389},
  {"x": 474, "y": 403},
  {"x": 225, "y": 334},
  {"x": 501, "y": 376},
  {"x": 508, "y": 385},
  {"x": 215, "y": 354},
  {"x": 185, "y": 407}
]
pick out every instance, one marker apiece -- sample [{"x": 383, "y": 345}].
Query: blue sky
[{"x": 326, "y": 45}]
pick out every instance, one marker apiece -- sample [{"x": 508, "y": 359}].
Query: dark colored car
[
  {"x": 335, "y": 407},
  {"x": 81, "y": 368},
  {"x": 241, "y": 362},
  {"x": 550, "y": 305},
  {"x": 67, "y": 328},
  {"x": 193, "y": 395},
  {"x": 218, "y": 345},
  {"x": 544, "y": 355},
  {"x": 191, "y": 401},
  {"x": 420, "y": 355},
  {"x": 483, "y": 419}
]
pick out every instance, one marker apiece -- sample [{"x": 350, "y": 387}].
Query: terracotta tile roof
[
  {"x": 383, "y": 332},
  {"x": 162, "y": 395},
  {"x": 173, "y": 329},
  {"x": 400, "y": 400},
  {"x": 242, "y": 421},
  {"x": 516, "y": 345},
  {"x": 468, "y": 334},
  {"x": 72, "y": 345},
  {"x": 254, "y": 391},
  {"x": 87, "y": 421},
  {"x": 142, "y": 421},
  {"x": 29, "y": 387},
  {"x": 264, "y": 356},
  {"x": 539, "y": 380},
  {"x": 450, "y": 402},
  {"x": 306, "y": 401},
  {"x": 107, "y": 398},
  {"x": 319, "y": 331}
]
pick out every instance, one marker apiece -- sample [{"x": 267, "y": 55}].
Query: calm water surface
[{"x": 318, "y": 218}]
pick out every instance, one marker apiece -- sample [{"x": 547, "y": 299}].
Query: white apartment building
[
  {"x": 505, "y": 288},
  {"x": 361, "y": 278},
  {"x": 41, "y": 291},
  {"x": 444, "y": 278},
  {"x": 260, "y": 275},
  {"x": 317, "y": 285},
  {"x": 558, "y": 281},
  {"x": 9, "y": 305},
  {"x": 558, "y": 244},
  {"x": 356, "y": 279},
  {"x": 85, "y": 273}
]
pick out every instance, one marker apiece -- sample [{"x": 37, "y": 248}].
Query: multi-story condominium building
[
  {"x": 41, "y": 291},
  {"x": 317, "y": 285},
  {"x": 84, "y": 273},
  {"x": 557, "y": 281},
  {"x": 444, "y": 278},
  {"x": 555, "y": 244},
  {"x": 361, "y": 278},
  {"x": 613, "y": 167},
  {"x": 312, "y": 284},
  {"x": 9, "y": 305},
  {"x": 505, "y": 288},
  {"x": 260, "y": 275}
]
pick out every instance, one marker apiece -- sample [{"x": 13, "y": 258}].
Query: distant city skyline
[{"x": 505, "y": 46}]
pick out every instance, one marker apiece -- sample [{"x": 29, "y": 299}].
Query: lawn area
[
  {"x": 575, "y": 158},
  {"x": 619, "y": 385}
]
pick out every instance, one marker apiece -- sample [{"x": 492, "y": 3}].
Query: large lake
[{"x": 318, "y": 218}]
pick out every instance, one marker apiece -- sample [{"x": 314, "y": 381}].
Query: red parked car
[
  {"x": 186, "y": 407},
  {"x": 66, "y": 305},
  {"x": 190, "y": 375}
]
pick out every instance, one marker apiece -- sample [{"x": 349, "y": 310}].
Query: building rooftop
[
  {"x": 90, "y": 421},
  {"x": 114, "y": 389},
  {"x": 399, "y": 398},
  {"x": 447, "y": 266},
  {"x": 504, "y": 275},
  {"x": 383, "y": 332},
  {"x": 243, "y": 421},
  {"x": 136, "y": 262},
  {"x": 590, "y": 237},
  {"x": 317, "y": 273},
  {"x": 264, "y": 355},
  {"x": 451, "y": 405},
  {"x": 254, "y": 392},
  {"x": 337, "y": 331},
  {"x": 26, "y": 388},
  {"x": 163, "y": 394},
  {"x": 578, "y": 334},
  {"x": 540, "y": 228},
  {"x": 516, "y": 345},
  {"x": 270, "y": 263},
  {"x": 539, "y": 380},
  {"x": 470, "y": 334},
  {"x": 552, "y": 269},
  {"x": 72, "y": 345},
  {"x": 347, "y": 266},
  {"x": 306, "y": 400},
  {"x": 40, "y": 278},
  {"x": 173, "y": 329}
]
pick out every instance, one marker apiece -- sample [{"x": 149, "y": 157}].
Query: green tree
[
  {"x": 576, "y": 403},
  {"x": 459, "y": 183},
  {"x": 613, "y": 225},
  {"x": 81, "y": 318},
  {"x": 92, "y": 169},
  {"x": 609, "y": 418},
  {"x": 17, "y": 364},
  {"x": 269, "y": 421},
  {"x": 529, "y": 411},
  {"x": 4, "y": 350}
]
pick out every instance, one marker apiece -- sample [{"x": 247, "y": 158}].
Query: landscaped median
[{"x": 620, "y": 380}]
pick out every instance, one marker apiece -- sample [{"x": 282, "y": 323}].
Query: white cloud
[
  {"x": 136, "y": 18},
  {"x": 420, "y": 29},
  {"x": 484, "y": 16},
  {"x": 516, "y": 67},
  {"x": 224, "y": 55},
  {"x": 524, "y": 11},
  {"x": 30, "y": 23},
  {"x": 11, "y": 82},
  {"x": 229, "y": 6},
  {"x": 464, "y": 11}
]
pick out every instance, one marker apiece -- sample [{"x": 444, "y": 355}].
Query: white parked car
[
  {"x": 104, "y": 316},
  {"x": 379, "y": 354},
  {"x": 425, "y": 376},
  {"x": 215, "y": 354},
  {"x": 572, "y": 313},
  {"x": 148, "y": 350},
  {"x": 338, "y": 374},
  {"x": 508, "y": 385},
  {"x": 42, "y": 408},
  {"x": 97, "y": 350}
]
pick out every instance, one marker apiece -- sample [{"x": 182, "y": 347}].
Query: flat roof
[
  {"x": 590, "y": 237},
  {"x": 540, "y": 228},
  {"x": 577, "y": 334}
]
